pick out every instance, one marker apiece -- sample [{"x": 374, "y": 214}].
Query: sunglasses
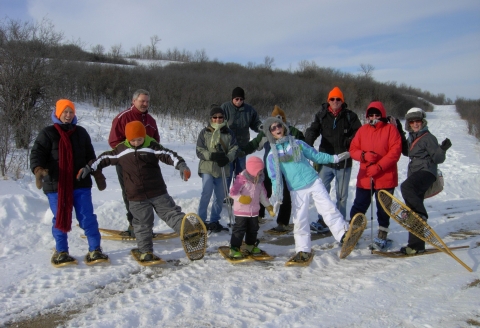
[
  {"x": 415, "y": 121},
  {"x": 335, "y": 99},
  {"x": 217, "y": 117},
  {"x": 238, "y": 99},
  {"x": 374, "y": 115},
  {"x": 275, "y": 127}
]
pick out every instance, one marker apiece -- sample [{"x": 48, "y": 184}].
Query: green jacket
[{"x": 228, "y": 144}]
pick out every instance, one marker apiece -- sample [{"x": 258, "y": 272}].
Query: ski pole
[
  {"x": 371, "y": 214},
  {"x": 227, "y": 197}
]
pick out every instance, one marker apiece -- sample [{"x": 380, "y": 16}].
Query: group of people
[{"x": 292, "y": 170}]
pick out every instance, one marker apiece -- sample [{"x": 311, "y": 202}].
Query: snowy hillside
[{"x": 363, "y": 290}]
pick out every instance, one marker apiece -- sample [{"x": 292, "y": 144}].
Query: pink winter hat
[{"x": 254, "y": 165}]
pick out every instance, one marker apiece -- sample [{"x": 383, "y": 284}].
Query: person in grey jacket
[
  {"x": 216, "y": 147},
  {"x": 240, "y": 117},
  {"x": 425, "y": 154}
]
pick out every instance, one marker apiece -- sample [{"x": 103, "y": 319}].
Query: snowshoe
[{"x": 235, "y": 253}]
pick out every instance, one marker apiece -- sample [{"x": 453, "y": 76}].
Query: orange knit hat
[
  {"x": 61, "y": 105},
  {"x": 277, "y": 111},
  {"x": 135, "y": 129},
  {"x": 336, "y": 93}
]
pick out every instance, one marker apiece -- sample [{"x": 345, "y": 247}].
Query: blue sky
[{"x": 430, "y": 44}]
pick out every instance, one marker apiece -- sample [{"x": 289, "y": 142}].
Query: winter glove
[
  {"x": 341, "y": 157},
  {"x": 184, "y": 171},
  {"x": 317, "y": 167},
  {"x": 270, "y": 210},
  {"x": 40, "y": 172},
  {"x": 100, "y": 180},
  {"x": 220, "y": 158},
  {"x": 373, "y": 170},
  {"x": 84, "y": 172},
  {"x": 371, "y": 157},
  {"x": 446, "y": 144},
  {"x": 241, "y": 153},
  {"x": 244, "y": 199}
]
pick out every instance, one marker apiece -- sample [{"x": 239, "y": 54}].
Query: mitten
[
  {"x": 341, "y": 157},
  {"x": 223, "y": 162},
  {"x": 371, "y": 157},
  {"x": 39, "y": 172},
  {"x": 317, "y": 167},
  {"x": 240, "y": 153},
  {"x": 184, "y": 171},
  {"x": 100, "y": 180},
  {"x": 373, "y": 170},
  {"x": 270, "y": 210},
  {"x": 84, "y": 172},
  {"x": 244, "y": 199},
  {"x": 446, "y": 144}
]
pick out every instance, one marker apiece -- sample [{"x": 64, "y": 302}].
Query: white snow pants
[{"x": 325, "y": 207}]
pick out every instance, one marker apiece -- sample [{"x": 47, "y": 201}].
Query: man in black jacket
[{"x": 337, "y": 125}]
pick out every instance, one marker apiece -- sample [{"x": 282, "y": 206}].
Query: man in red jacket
[
  {"x": 137, "y": 112},
  {"x": 377, "y": 145}
]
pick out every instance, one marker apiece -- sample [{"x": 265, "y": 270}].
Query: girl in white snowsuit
[
  {"x": 424, "y": 153},
  {"x": 289, "y": 157},
  {"x": 248, "y": 192}
]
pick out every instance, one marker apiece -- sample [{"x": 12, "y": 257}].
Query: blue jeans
[
  {"x": 236, "y": 167},
  {"x": 211, "y": 185},
  {"x": 82, "y": 203},
  {"x": 342, "y": 178}
]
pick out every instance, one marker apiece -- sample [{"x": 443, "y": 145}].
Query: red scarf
[
  {"x": 65, "y": 180},
  {"x": 335, "y": 114}
]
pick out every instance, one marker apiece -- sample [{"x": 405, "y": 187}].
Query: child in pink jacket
[{"x": 248, "y": 192}]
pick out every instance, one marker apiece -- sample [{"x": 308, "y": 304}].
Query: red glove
[
  {"x": 373, "y": 170},
  {"x": 371, "y": 157}
]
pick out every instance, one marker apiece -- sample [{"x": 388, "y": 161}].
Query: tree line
[{"x": 36, "y": 69}]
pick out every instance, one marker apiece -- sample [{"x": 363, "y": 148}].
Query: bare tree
[
  {"x": 268, "y": 62},
  {"x": 153, "y": 45},
  {"x": 27, "y": 77},
  {"x": 116, "y": 50},
  {"x": 367, "y": 70},
  {"x": 98, "y": 50}
]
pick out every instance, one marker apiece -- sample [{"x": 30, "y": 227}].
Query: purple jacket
[{"x": 244, "y": 185}]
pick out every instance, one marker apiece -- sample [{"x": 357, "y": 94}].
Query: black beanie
[
  {"x": 238, "y": 93},
  {"x": 216, "y": 110},
  {"x": 373, "y": 110}
]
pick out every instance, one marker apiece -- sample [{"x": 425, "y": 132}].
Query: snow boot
[
  {"x": 235, "y": 253},
  {"x": 411, "y": 251},
  {"x": 96, "y": 255},
  {"x": 148, "y": 257},
  {"x": 381, "y": 241},
  {"x": 319, "y": 226},
  {"x": 130, "y": 232},
  {"x": 302, "y": 257},
  {"x": 253, "y": 249},
  {"x": 61, "y": 258}
]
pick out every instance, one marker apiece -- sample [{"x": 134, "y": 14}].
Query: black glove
[
  {"x": 83, "y": 172},
  {"x": 446, "y": 144},
  {"x": 241, "y": 153},
  {"x": 220, "y": 158}
]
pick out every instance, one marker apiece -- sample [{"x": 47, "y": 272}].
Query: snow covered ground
[{"x": 363, "y": 290}]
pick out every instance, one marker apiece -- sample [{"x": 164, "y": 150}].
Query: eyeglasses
[
  {"x": 374, "y": 115},
  {"x": 415, "y": 121},
  {"x": 217, "y": 117},
  {"x": 275, "y": 127},
  {"x": 238, "y": 99},
  {"x": 335, "y": 99}
]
